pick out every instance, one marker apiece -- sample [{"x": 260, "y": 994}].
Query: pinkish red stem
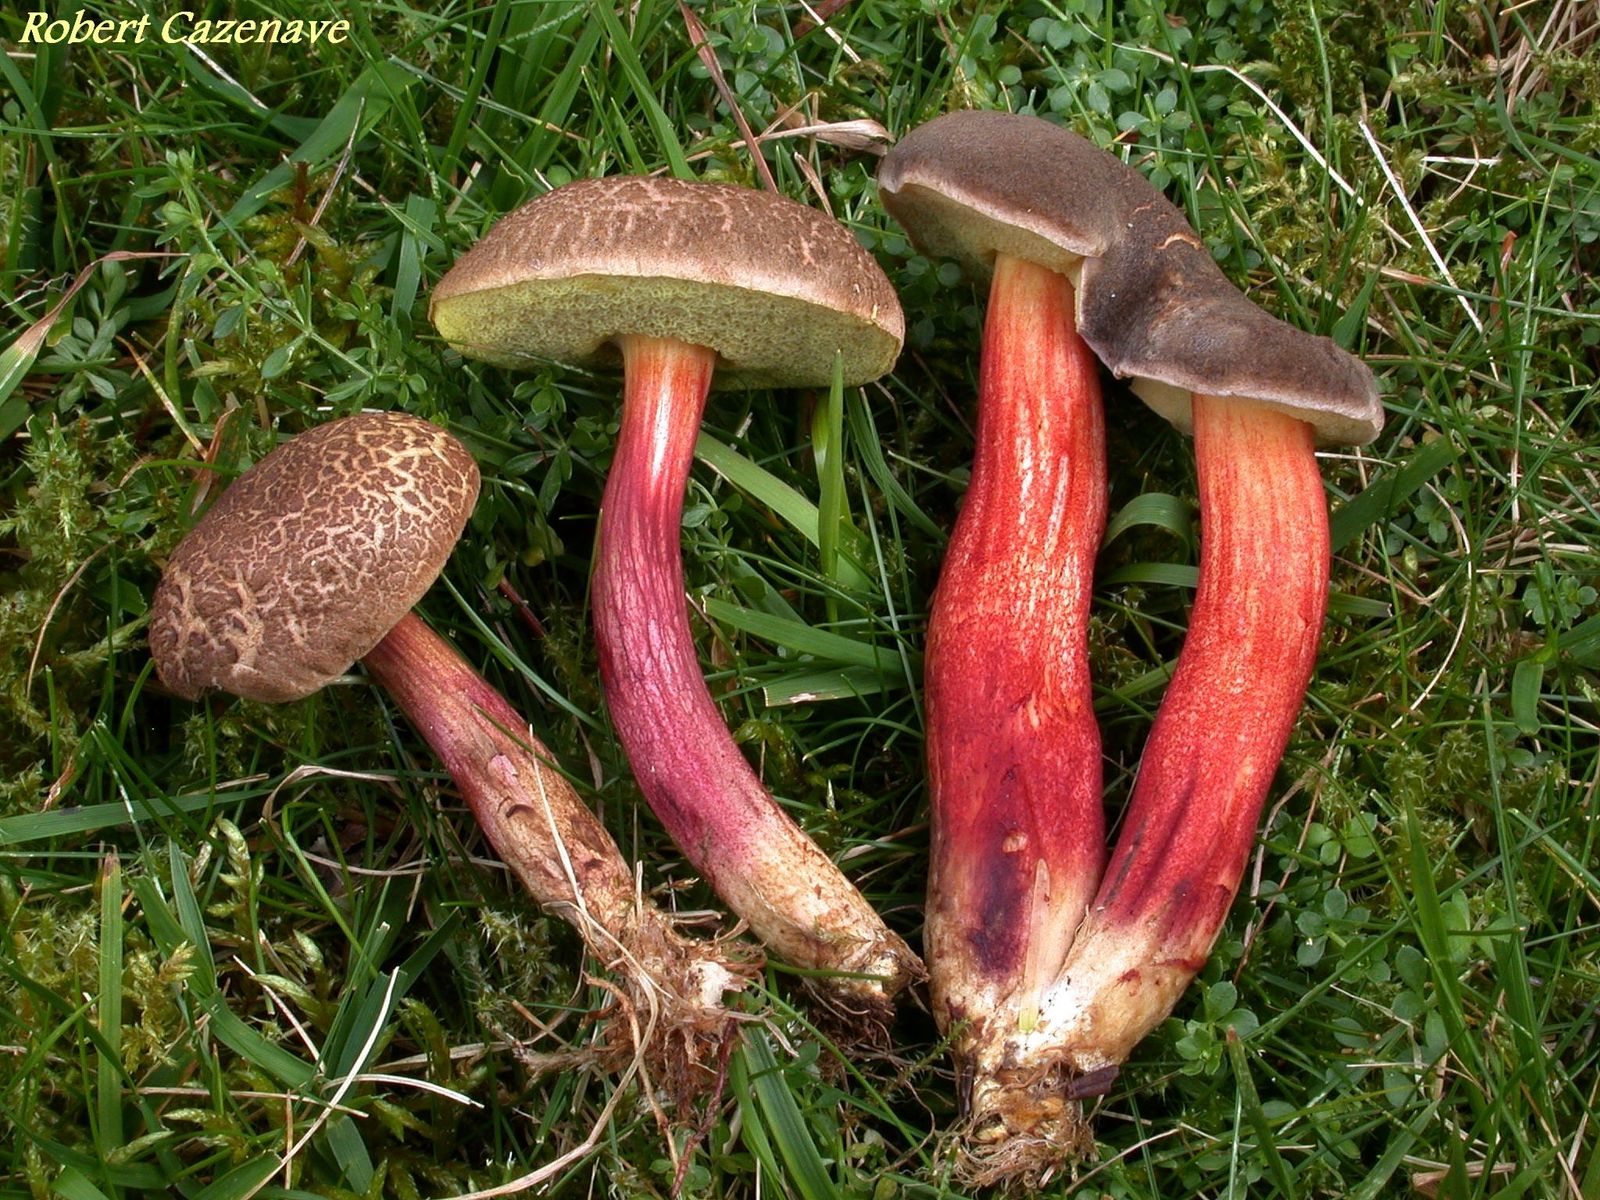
[
  {"x": 1210, "y": 759},
  {"x": 1217, "y": 739},
  {"x": 692, "y": 774},
  {"x": 1013, "y": 746},
  {"x": 1240, "y": 681}
]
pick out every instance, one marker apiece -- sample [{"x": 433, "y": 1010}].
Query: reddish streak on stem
[
  {"x": 691, "y": 772},
  {"x": 1241, "y": 676},
  {"x": 1013, "y": 747}
]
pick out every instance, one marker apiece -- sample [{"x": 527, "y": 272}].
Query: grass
[{"x": 255, "y": 951}]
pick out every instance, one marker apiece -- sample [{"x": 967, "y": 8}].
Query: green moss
[{"x": 66, "y": 520}]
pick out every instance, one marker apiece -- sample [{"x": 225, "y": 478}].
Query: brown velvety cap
[
  {"x": 1151, "y": 301},
  {"x": 310, "y": 557},
  {"x": 774, "y": 287}
]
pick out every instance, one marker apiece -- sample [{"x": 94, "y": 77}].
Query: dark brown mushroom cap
[
  {"x": 310, "y": 557},
  {"x": 1151, "y": 301},
  {"x": 774, "y": 287}
]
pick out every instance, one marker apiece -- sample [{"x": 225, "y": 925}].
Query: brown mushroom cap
[
  {"x": 774, "y": 287},
  {"x": 310, "y": 557},
  {"x": 1152, "y": 303}
]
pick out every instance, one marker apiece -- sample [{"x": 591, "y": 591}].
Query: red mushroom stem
[
  {"x": 556, "y": 846},
  {"x": 1013, "y": 746},
  {"x": 692, "y": 774},
  {"x": 1217, "y": 739}
]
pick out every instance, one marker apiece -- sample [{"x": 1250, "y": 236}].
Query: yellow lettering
[
  {"x": 167, "y": 34},
  {"x": 33, "y": 30},
  {"x": 83, "y": 30},
  {"x": 340, "y": 32}
]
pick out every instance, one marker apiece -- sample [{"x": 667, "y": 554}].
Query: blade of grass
[
  {"x": 1376, "y": 1181},
  {"x": 72, "y": 1184},
  {"x": 1435, "y": 936},
  {"x": 1250, "y": 1101},
  {"x": 362, "y": 108},
  {"x": 827, "y": 449},
  {"x": 843, "y": 684},
  {"x": 1382, "y": 497},
  {"x": 242, "y": 1181},
  {"x": 481, "y": 53},
  {"x": 94, "y": 818},
  {"x": 644, "y": 92},
  {"x": 168, "y": 931},
  {"x": 108, "y": 1078},
  {"x": 864, "y": 437},
  {"x": 803, "y": 638},
  {"x": 1518, "y": 1008},
  {"x": 552, "y": 117},
  {"x": 1160, "y": 509},
  {"x": 1182, "y": 575},
  {"x": 805, "y": 1169},
  {"x": 789, "y": 505}
]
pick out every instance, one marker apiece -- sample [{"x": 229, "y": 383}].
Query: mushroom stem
[
  {"x": 1218, "y": 736},
  {"x": 557, "y": 847},
  {"x": 1013, "y": 747},
  {"x": 1208, "y": 763},
  {"x": 692, "y": 774}
]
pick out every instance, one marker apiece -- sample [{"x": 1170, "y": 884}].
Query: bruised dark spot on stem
[
  {"x": 1144, "y": 847},
  {"x": 1004, "y": 894}
]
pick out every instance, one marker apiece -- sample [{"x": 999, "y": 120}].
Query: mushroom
[
  {"x": 1014, "y": 776},
  {"x": 1258, "y": 395},
  {"x": 690, "y": 285},
  {"x": 311, "y": 560}
]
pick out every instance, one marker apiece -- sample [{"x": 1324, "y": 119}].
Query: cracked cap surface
[
  {"x": 310, "y": 557},
  {"x": 774, "y": 287},
  {"x": 1151, "y": 301}
]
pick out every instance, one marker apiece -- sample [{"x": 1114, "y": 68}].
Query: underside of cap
[
  {"x": 1151, "y": 301},
  {"x": 310, "y": 557},
  {"x": 775, "y": 288},
  {"x": 971, "y": 185}
]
